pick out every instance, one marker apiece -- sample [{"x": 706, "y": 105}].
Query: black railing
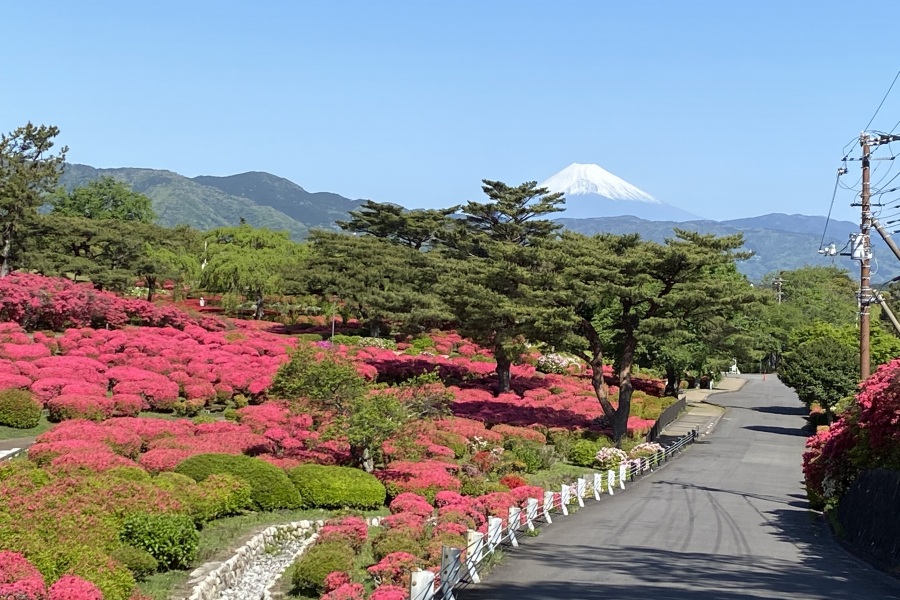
[{"x": 667, "y": 417}]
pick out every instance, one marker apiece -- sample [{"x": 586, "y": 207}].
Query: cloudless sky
[{"x": 725, "y": 109}]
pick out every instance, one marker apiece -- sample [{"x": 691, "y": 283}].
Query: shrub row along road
[{"x": 728, "y": 520}]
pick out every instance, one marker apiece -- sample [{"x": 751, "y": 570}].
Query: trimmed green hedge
[
  {"x": 323, "y": 486},
  {"x": 270, "y": 487},
  {"x": 19, "y": 409},
  {"x": 313, "y": 567}
]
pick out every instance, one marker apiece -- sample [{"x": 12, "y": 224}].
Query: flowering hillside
[{"x": 96, "y": 363}]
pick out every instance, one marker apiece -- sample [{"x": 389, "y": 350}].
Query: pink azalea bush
[
  {"x": 19, "y": 579},
  {"x": 70, "y": 587}
]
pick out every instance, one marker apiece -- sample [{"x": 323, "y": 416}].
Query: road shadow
[
  {"x": 796, "y": 411},
  {"x": 798, "y": 431},
  {"x": 586, "y": 572}
]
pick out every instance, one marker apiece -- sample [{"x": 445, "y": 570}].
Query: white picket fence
[
  {"x": 459, "y": 566},
  {"x": 7, "y": 454}
]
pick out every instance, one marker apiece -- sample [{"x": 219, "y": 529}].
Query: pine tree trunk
[
  {"x": 503, "y": 365},
  {"x": 5, "y": 250},
  {"x": 623, "y": 411},
  {"x": 671, "y": 381},
  {"x": 259, "y": 308}
]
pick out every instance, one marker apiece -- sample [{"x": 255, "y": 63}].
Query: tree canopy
[
  {"x": 104, "y": 198},
  {"x": 28, "y": 174}
]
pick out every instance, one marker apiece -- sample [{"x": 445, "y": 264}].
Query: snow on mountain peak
[{"x": 580, "y": 179}]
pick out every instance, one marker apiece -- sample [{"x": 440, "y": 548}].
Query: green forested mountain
[
  {"x": 180, "y": 200},
  {"x": 780, "y": 242},
  {"x": 315, "y": 209}
]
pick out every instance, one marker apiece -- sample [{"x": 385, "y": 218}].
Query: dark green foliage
[
  {"x": 496, "y": 279},
  {"x": 333, "y": 382},
  {"x": 624, "y": 293},
  {"x": 414, "y": 228},
  {"x": 171, "y": 539},
  {"x": 19, "y": 409},
  {"x": 312, "y": 567},
  {"x": 396, "y": 540},
  {"x": 323, "y": 486},
  {"x": 270, "y": 487},
  {"x": 823, "y": 368},
  {"x": 140, "y": 562},
  {"x": 28, "y": 173},
  {"x": 382, "y": 284}
]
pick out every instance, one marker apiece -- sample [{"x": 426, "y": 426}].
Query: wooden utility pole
[{"x": 864, "y": 267}]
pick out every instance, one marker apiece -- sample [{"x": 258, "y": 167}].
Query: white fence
[{"x": 460, "y": 566}]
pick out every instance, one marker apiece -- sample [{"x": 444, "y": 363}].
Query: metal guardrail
[
  {"x": 668, "y": 416},
  {"x": 460, "y": 566}
]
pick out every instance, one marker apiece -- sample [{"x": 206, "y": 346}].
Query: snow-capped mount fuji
[{"x": 592, "y": 191}]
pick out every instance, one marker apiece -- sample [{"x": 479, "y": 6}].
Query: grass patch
[
  {"x": 11, "y": 433},
  {"x": 558, "y": 474},
  {"x": 220, "y": 539}
]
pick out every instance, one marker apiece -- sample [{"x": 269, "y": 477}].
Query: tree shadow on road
[
  {"x": 810, "y": 565},
  {"x": 779, "y": 430}
]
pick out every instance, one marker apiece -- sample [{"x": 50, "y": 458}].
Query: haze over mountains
[{"x": 596, "y": 201}]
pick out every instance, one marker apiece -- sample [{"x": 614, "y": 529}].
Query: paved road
[{"x": 727, "y": 520}]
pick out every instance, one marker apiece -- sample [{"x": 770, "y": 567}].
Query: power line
[
  {"x": 837, "y": 178},
  {"x": 888, "y": 93}
]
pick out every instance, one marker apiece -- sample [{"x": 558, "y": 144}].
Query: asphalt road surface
[{"x": 727, "y": 519}]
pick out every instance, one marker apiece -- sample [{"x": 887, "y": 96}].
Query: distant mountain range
[{"x": 780, "y": 241}]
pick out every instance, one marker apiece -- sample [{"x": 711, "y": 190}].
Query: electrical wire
[
  {"x": 830, "y": 206},
  {"x": 888, "y": 93}
]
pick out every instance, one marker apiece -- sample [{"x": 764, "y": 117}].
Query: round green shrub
[
  {"x": 396, "y": 540},
  {"x": 172, "y": 481},
  {"x": 310, "y": 570},
  {"x": 529, "y": 454},
  {"x": 219, "y": 496},
  {"x": 19, "y": 409},
  {"x": 129, "y": 473},
  {"x": 323, "y": 486},
  {"x": 140, "y": 562},
  {"x": 172, "y": 539},
  {"x": 270, "y": 487},
  {"x": 583, "y": 452}
]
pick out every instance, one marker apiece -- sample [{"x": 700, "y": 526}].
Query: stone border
[
  {"x": 224, "y": 575},
  {"x": 218, "y": 577}
]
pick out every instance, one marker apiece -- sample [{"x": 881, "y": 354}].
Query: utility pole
[
  {"x": 864, "y": 266},
  {"x": 777, "y": 283}
]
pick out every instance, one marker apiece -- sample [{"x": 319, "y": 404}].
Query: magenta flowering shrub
[
  {"x": 352, "y": 531},
  {"x": 394, "y": 569},
  {"x": 389, "y": 592},
  {"x": 346, "y": 591},
  {"x": 19, "y": 579},
  {"x": 411, "y": 503},
  {"x": 38, "y": 302},
  {"x": 70, "y": 587},
  {"x": 865, "y": 437}
]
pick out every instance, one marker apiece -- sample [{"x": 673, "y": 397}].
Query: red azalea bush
[
  {"x": 19, "y": 579},
  {"x": 38, "y": 302},
  {"x": 867, "y": 436},
  {"x": 389, "y": 592},
  {"x": 394, "y": 569},
  {"x": 70, "y": 587},
  {"x": 352, "y": 531},
  {"x": 347, "y": 591}
]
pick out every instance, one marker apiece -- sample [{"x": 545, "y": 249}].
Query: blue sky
[{"x": 725, "y": 109}]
